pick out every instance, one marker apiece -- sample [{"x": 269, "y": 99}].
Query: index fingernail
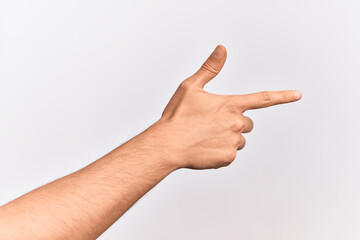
[{"x": 297, "y": 95}]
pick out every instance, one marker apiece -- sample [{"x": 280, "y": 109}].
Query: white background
[{"x": 78, "y": 78}]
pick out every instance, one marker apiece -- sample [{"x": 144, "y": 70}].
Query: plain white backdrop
[{"x": 78, "y": 78}]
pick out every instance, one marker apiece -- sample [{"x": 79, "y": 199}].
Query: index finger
[{"x": 267, "y": 99}]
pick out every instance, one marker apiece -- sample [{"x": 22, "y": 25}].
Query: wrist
[{"x": 153, "y": 147}]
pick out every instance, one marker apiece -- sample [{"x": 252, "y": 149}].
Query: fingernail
[
  {"x": 297, "y": 95},
  {"x": 218, "y": 52}
]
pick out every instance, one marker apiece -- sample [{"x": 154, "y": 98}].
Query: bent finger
[
  {"x": 249, "y": 125},
  {"x": 242, "y": 143}
]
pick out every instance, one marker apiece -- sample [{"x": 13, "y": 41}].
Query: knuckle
[
  {"x": 229, "y": 158},
  {"x": 185, "y": 85},
  {"x": 231, "y": 105},
  {"x": 250, "y": 124},
  {"x": 237, "y": 125},
  {"x": 241, "y": 143},
  {"x": 265, "y": 98},
  {"x": 251, "y": 128},
  {"x": 232, "y": 108},
  {"x": 241, "y": 140},
  {"x": 210, "y": 67},
  {"x": 241, "y": 146}
]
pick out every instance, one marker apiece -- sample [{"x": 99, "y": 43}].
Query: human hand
[{"x": 203, "y": 130}]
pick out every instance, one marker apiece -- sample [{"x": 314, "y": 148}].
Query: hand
[
  {"x": 197, "y": 130},
  {"x": 203, "y": 130}
]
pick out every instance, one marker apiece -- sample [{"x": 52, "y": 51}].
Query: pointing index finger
[{"x": 267, "y": 99}]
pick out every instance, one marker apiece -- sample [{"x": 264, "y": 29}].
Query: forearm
[
  {"x": 197, "y": 130},
  {"x": 84, "y": 204}
]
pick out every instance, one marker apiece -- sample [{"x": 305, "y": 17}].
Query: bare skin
[{"x": 197, "y": 130}]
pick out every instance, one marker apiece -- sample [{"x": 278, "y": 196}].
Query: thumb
[{"x": 211, "y": 67}]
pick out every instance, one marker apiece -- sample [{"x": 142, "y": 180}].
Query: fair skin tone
[{"x": 197, "y": 130}]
